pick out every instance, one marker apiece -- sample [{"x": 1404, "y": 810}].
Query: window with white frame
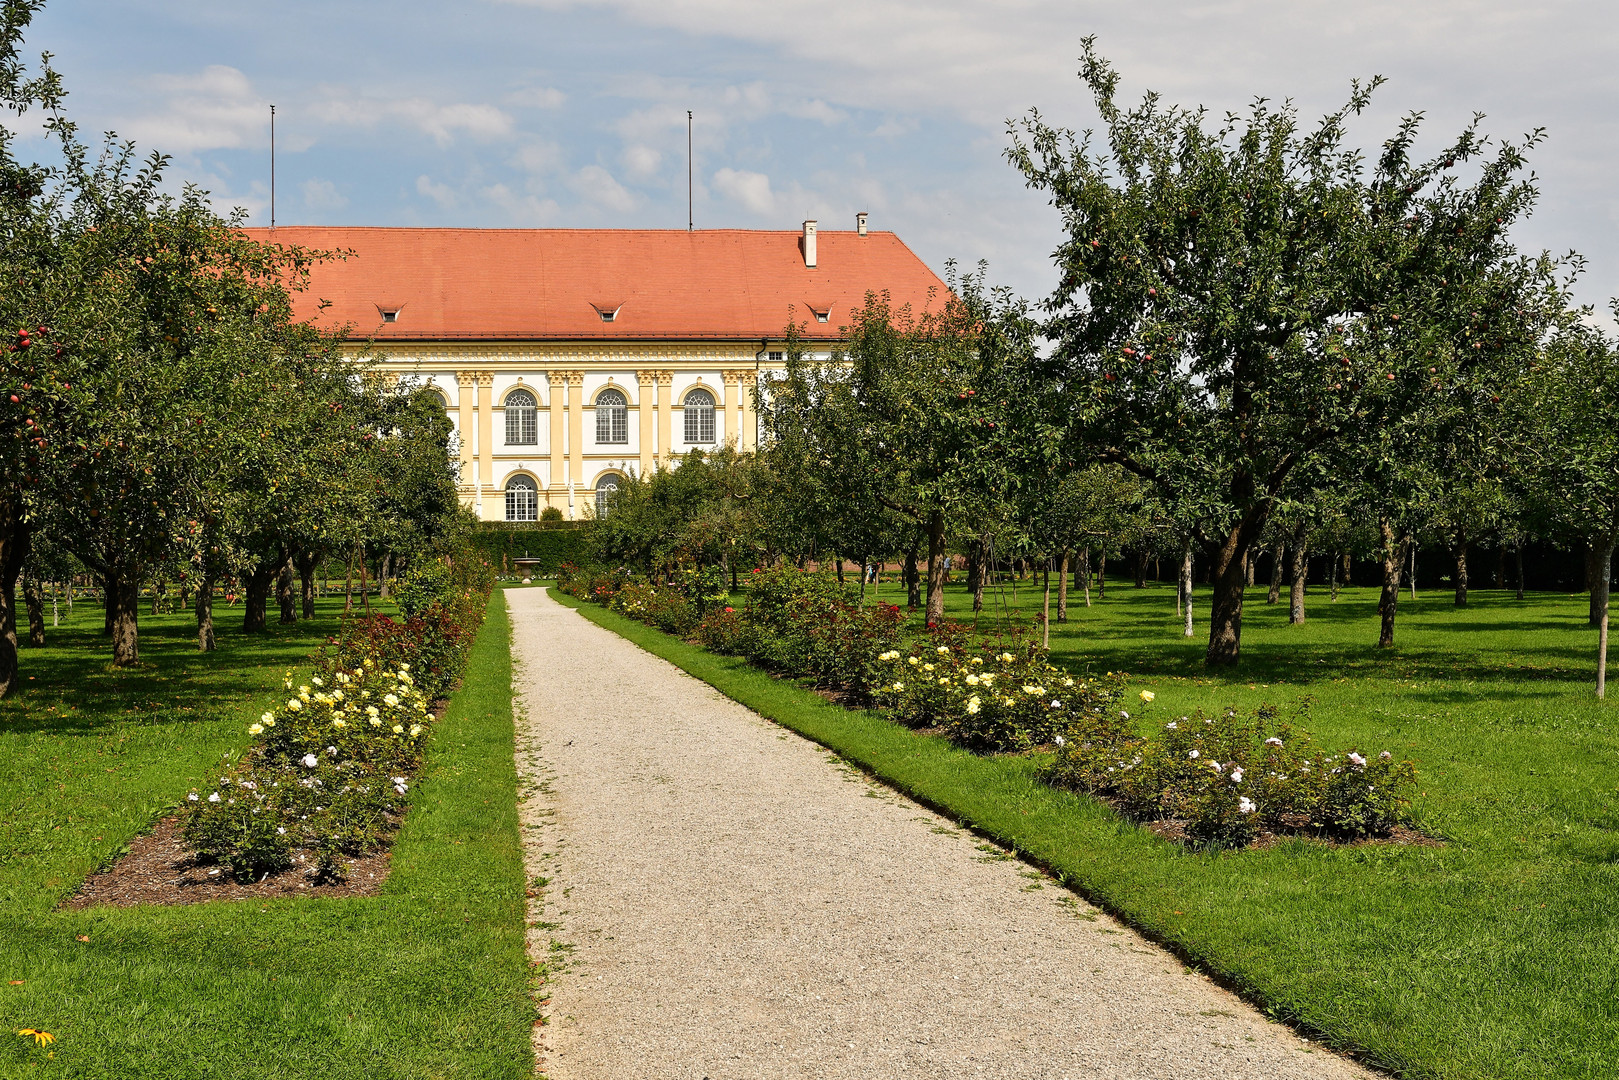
[
  {"x": 612, "y": 417},
  {"x": 522, "y": 499},
  {"x": 522, "y": 419},
  {"x": 605, "y": 488},
  {"x": 699, "y": 417}
]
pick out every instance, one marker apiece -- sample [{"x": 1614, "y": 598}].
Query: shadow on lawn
[
  {"x": 70, "y": 686},
  {"x": 1146, "y": 642}
]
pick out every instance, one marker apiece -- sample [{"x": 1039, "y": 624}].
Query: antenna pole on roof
[
  {"x": 272, "y": 166},
  {"x": 688, "y": 171}
]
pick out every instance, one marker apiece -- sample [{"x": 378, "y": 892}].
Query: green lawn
[
  {"x": 427, "y": 980},
  {"x": 1496, "y": 955}
]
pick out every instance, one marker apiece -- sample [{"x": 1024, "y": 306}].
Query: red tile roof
[{"x": 526, "y": 284}]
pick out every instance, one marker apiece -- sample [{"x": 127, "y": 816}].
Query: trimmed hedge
[{"x": 553, "y": 543}]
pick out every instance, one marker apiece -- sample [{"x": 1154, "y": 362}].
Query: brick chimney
[
  {"x": 809, "y": 243},
  {"x": 860, "y": 223}
]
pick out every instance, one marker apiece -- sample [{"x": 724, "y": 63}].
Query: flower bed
[
  {"x": 1223, "y": 779},
  {"x": 1220, "y": 780},
  {"x": 330, "y": 770}
]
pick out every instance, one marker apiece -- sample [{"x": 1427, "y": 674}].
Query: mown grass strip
[
  {"x": 427, "y": 980},
  {"x": 1429, "y": 962}
]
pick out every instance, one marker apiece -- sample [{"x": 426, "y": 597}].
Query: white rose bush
[
  {"x": 330, "y": 769},
  {"x": 327, "y": 773},
  {"x": 1230, "y": 776}
]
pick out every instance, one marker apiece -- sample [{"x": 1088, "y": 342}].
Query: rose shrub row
[
  {"x": 1228, "y": 776},
  {"x": 329, "y": 770}
]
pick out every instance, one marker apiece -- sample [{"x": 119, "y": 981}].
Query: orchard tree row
[
  {"x": 163, "y": 415},
  {"x": 1261, "y": 339}
]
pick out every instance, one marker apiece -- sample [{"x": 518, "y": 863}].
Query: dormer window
[
  {"x": 389, "y": 313},
  {"x": 609, "y": 316},
  {"x": 822, "y": 316},
  {"x": 608, "y": 310},
  {"x": 390, "y": 316}
]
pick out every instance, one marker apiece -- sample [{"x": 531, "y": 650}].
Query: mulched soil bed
[{"x": 159, "y": 869}]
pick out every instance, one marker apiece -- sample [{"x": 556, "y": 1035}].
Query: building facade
[{"x": 570, "y": 359}]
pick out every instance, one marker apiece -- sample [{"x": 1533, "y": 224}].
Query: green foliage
[
  {"x": 551, "y": 542},
  {"x": 1228, "y": 775},
  {"x": 330, "y": 770}
]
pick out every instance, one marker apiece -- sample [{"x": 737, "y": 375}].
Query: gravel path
[{"x": 732, "y": 903}]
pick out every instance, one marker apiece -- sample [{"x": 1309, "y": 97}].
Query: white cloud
[
  {"x": 641, "y": 162},
  {"x": 323, "y": 195},
  {"x": 545, "y": 97},
  {"x": 596, "y": 185},
  {"x": 751, "y": 189},
  {"x": 342, "y": 108},
  {"x": 538, "y": 157},
  {"x": 214, "y": 109},
  {"x": 522, "y": 210},
  {"x": 439, "y": 193}
]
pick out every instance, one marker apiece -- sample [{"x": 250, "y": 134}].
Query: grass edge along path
[
  {"x": 427, "y": 980},
  {"x": 1076, "y": 839}
]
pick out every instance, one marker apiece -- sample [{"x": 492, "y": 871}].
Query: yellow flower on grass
[
  {"x": 41, "y": 1038},
  {"x": 340, "y": 722},
  {"x": 415, "y": 729},
  {"x": 293, "y": 704},
  {"x": 1147, "y": 695},
  {"x": 378, "y": 723},
  {"x": 398, "y": 728},
  {"x": 256, "y": 729}
]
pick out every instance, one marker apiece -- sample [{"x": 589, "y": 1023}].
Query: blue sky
[{"x": 573, "y": 112}]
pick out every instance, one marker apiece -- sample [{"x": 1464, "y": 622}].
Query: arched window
[
  {"x": 612, "y": 417},
  {"x": 522, "y": 499},
  {"x": 522, "y": 421},
  {"x": 604, "y": 494},
  {"x": 699, "y": 417}
]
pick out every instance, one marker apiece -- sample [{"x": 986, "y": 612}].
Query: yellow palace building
[{"x": 571, "y": 358}]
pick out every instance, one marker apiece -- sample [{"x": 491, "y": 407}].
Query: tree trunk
[
  {"x": 1593, "y": 570},
  {"x": 284, "y": 593},
  {"x": 387, "y": 563},
  {"x": 1185, "y": 590},
  {"x": 981, "y": 568},
  {"x": 1348, "y": 562},
  {"x": 1275, "y": 593},
  {"x": 1517, "y": 554},
  {"x": 256, "y": 598},
  {"x": 1141, "y": 569},
  {"x": 838, "y": 562},
  {"x": 1228, "y": 571},
  {"x": 1301, "y": 570},
  {"x": 1605, "y": 566},
  {"x": 35, "y": 599},
  {"x": 348, "y": 586},
  {"x": 365, "y": 582},
  {"x": 14, "y": 544},
  {"x": 937, "y": 565},
  {"x": 306, "y": 578},
  {"x": 1253, "y": 567},
  {"x": 1332, "y": 575},
  {"x": 1045, "y": 608},
  {"x": 865, "y": 572},
  {"x": 1461, "y": 568},
  {"x": 1501, "y": 567},
  {"x": 913, "y": 579},
  {"x": 106, "y": 604},
  {"x": 160, "y": 589},
  {"x": 1411, "y": 547},
  {"x": 1101, "y": 573},
  {"x": 1084, "y": 572},
  {"x": 205, "y": 615},
  {"x": 124, "y": 598},
  {"x": 1062, "y": 586},
  {"x": 1393, "y": 559}
]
